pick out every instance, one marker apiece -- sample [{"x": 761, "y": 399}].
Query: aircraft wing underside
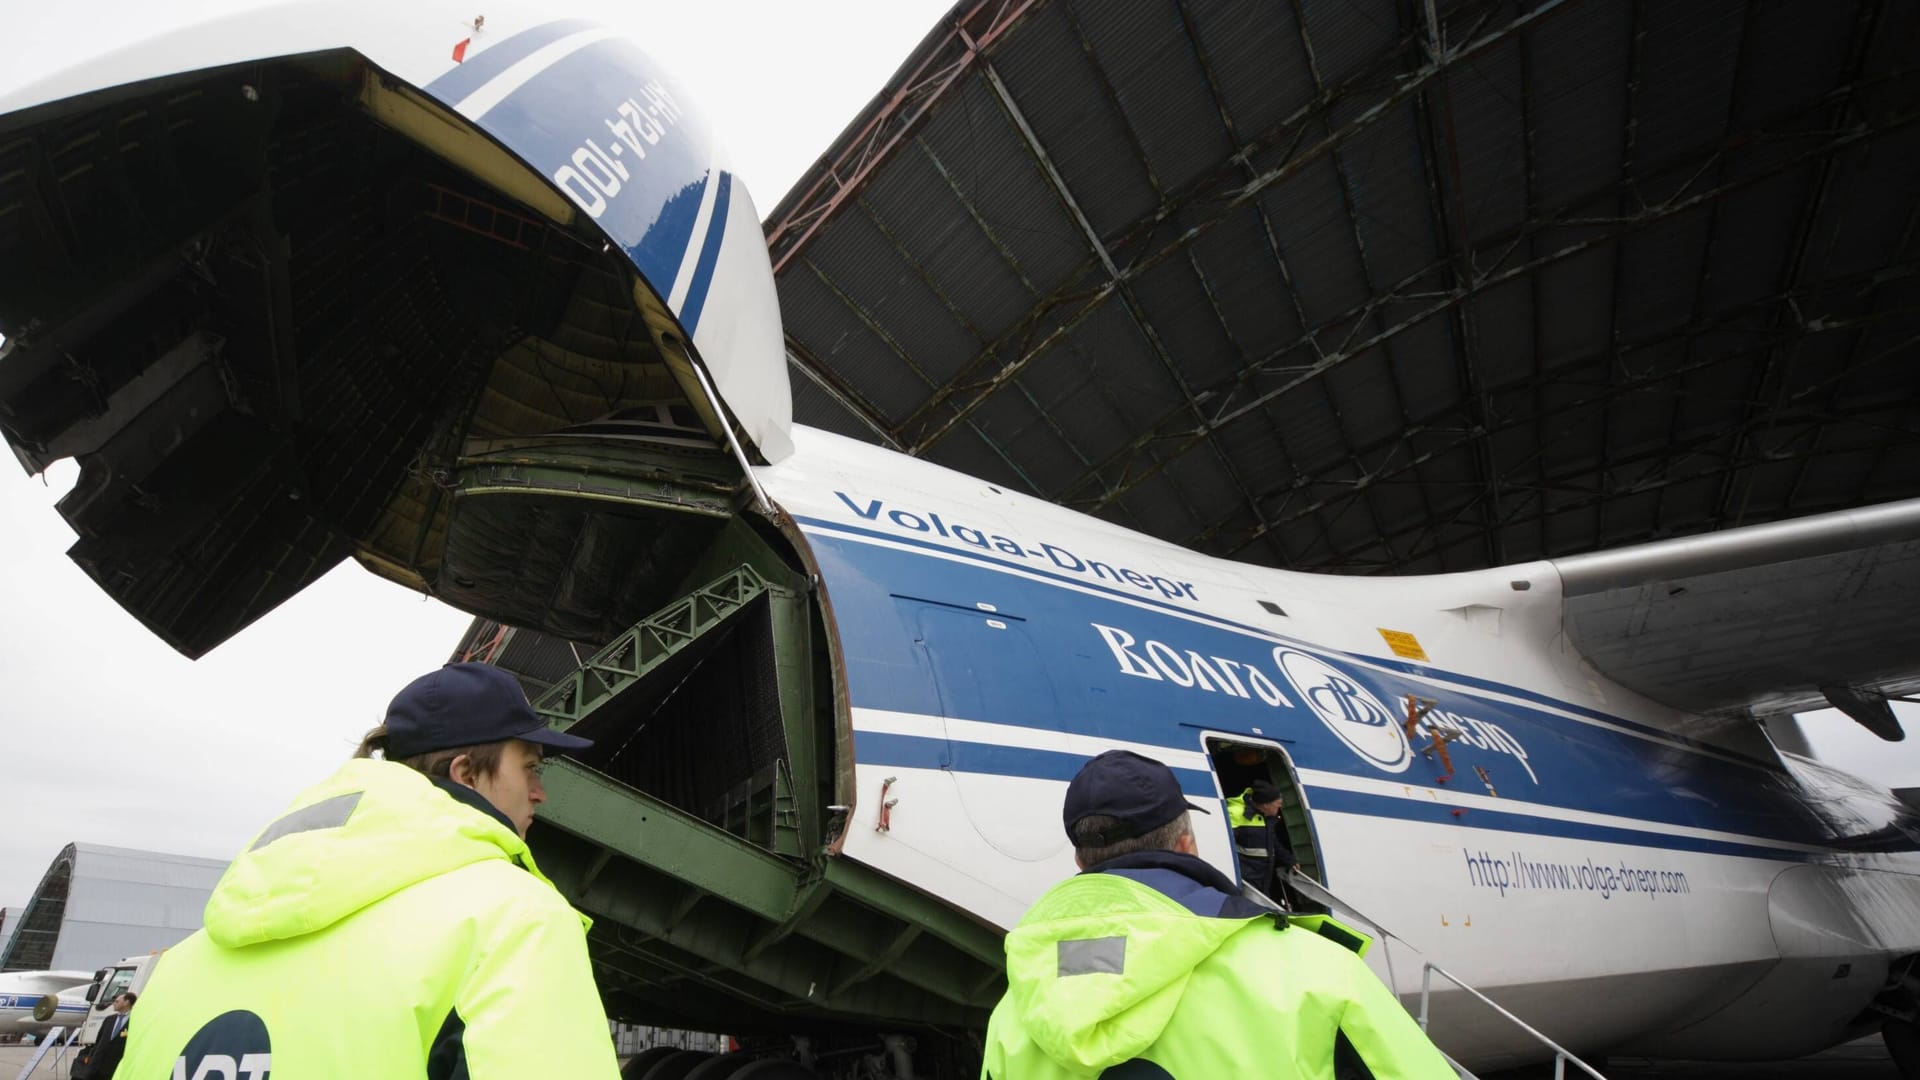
[{"x": 1757, "y": 620}]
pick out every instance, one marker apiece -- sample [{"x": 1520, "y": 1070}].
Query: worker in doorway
[
  {"x": 393, "y": 922},
  {"x": 1259, "y": 838},
  {"x": 1150, "y": 964}
]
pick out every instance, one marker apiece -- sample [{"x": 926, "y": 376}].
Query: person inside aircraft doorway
[
  {"x": 1150, "y": 963},
  {"x": 1259, "y": 839}
]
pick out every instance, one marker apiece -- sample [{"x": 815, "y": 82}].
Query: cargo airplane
[
  {"x": 391, "y": 281},
  {"x": 36, "y": 1002}
]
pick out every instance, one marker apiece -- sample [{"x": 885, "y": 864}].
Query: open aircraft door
[
  {"x": 478, "y": 302},
  {"x": 1239, "y": 760}
]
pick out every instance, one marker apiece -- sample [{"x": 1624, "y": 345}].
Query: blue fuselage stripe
[
  {"x": 921, "y": 752},
  {"x": 888, "y": 750},
  {"x": 486, "y": 63},
  {"x": 1417, "y": 670},
  {"x": 28, "y": 1001},
  {"x": 561, "y": 120},
  {"x": 1519, "y": 821},
  {"x": 709, "y": 255}
]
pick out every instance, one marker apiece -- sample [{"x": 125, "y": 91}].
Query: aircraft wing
[
  {"x": 1768, "y": 619},
  {"x": 45, "y": 982}
]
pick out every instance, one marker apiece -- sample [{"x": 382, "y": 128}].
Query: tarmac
[
  {"x": 1863, "y": 1060},
  {"x": 14, "y": 1057}
]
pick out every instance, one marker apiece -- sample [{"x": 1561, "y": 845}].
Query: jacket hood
[
  {"x": 1098, "y": 965},
  {"x": 365, "y": 833}
]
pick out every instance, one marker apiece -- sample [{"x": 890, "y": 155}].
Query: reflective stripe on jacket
[
  {"x": 1253, "y": 841},
  {"x": 379, "y": 929},
  {"x": 1109, "y": 967}
]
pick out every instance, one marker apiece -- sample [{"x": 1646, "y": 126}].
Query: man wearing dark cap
[
  {"x": 1148, "y": 964},
  {"x": 393, "y": 922},
  {"x": 1259, "y": 838}
]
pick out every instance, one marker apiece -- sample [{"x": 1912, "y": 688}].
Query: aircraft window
[{"x": 1273, "y": 608}]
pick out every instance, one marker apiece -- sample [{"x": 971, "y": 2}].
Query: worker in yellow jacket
[
  {"x": 393, "y": 922},
  {"x": 1259, "y": 844},
  {"x": 1150, "y": 965}
]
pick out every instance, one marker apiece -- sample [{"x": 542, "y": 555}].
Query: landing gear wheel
[
  {"x": 1903, "y": 1046},
  {"x": 677, "y": 1065},
  {"x": 720, "y": 1068},
  {"x": 774, "y": 1069},
  {"x": 637, "y": 1065},
  {"x": 750, "y": 1067}
]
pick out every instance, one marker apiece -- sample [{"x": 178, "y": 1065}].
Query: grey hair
[{"x": 1088, "y": 829}]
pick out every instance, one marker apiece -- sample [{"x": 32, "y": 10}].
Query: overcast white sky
[{"x": 108, "y": 736}]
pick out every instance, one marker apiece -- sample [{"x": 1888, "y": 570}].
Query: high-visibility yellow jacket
[
  {"x": 1253, "y": 842},
  {"x": 1259, "y": 845},
  {"x": 380, "y": 928},
  {"x": 1148, "y": 960}
]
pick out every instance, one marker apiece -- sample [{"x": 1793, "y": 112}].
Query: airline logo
[
  {"x": 1355, "y": 716},
  {"x": 1348, "y": 709}
]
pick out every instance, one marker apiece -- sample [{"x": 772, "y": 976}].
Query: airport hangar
[
  {"x": 1330, "y": 286},
  {"x": 1392, "y": 287},
  {"x": 97, "y": 904}
]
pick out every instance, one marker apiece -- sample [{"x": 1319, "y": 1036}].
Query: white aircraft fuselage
[
  {"x": 1618, "y": 885},
  {"x": 21, "y": 992}
]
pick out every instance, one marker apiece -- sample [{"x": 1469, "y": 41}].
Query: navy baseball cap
[
  {"x": 1138, "y": 792},
  {"x": 467, "y": 705}
]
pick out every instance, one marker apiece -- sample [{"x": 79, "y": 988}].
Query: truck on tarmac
[{"x": 123, "y": 976}]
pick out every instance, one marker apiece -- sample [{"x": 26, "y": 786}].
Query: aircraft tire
[
  {"x": 637, "y": 1065},
  {"x": 721, "y": 1067},
  {"x": 677, "y": 1065},
  {"x": 1903, "y": 1046},
  {"x": 749, "y": 1067},
  {"x": 773, "y": 1069}
]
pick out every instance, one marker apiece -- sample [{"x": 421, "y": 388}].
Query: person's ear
[
  {"x": 460, "y": 770},
  {"x": 1186, "y": 845}
]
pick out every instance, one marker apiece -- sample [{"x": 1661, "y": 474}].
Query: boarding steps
[
  {"x": 1327, "y": 898},
  {"x": 59, "y": 1040}
]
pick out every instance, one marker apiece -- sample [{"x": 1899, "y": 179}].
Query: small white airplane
[
  {"x": 1555, "y": 779},
  {"x": 36, "y": 1002}
]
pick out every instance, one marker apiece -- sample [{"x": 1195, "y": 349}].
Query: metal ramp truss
[
  {"x": 646, "y": 645},
  {"x": 705, "y": 924}
]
